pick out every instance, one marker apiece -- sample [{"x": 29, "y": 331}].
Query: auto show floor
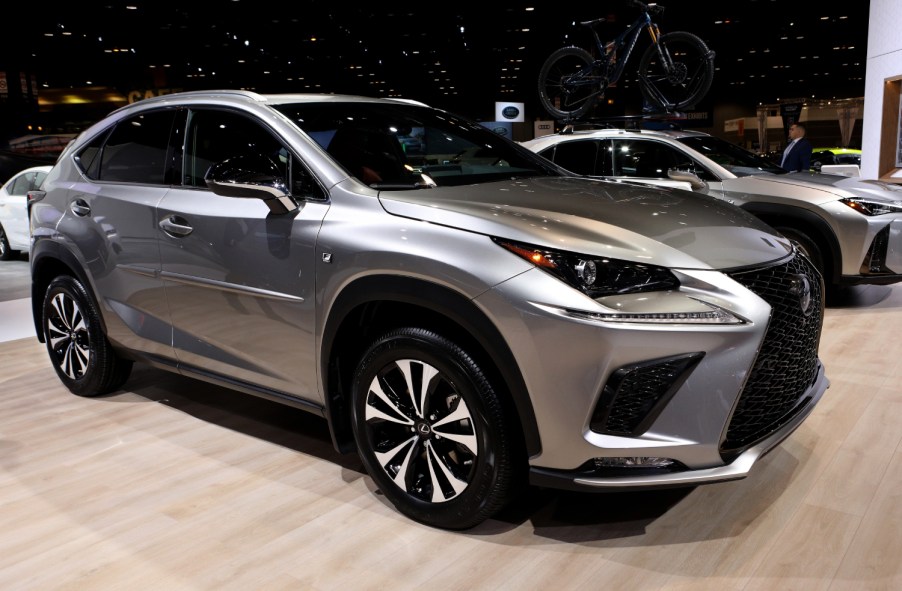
[{"x": 179, "y": 485}]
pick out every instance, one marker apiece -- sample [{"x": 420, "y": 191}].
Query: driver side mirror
[
  {"x": 253, "y": 177},
  {"x": 686, "y": 176}
]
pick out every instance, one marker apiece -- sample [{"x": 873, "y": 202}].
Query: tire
[
  {"x": 568, "y": 86},
  {"x": 82, "y": 356},
  {"x": 6, "y": 253},
  {"x": 690, "y": 80},
  {"x": 810, "y": 249},
  {"x": 450, "y": 474}
]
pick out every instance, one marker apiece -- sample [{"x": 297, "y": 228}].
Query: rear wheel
[
  {"x": 82, "y": 356},
  {"x": 686, "y": 81},
  {"x": 431, "y": 429},
  {"x": 568, "y": 84}
]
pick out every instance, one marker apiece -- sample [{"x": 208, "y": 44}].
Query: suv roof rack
[{"x": 649, "y": 121}]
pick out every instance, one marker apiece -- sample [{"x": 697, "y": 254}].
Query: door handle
[
  {"x": 175, "y": 226},
  {"x": 80, "y": 208}
]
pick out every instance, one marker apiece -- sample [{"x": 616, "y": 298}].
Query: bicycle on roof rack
[{"x": 675, "y": 72}]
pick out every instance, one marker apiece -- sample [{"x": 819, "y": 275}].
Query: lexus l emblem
[{"x": 799, "y": 286}]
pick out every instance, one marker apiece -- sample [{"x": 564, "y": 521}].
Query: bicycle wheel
[
  {"x": 684, "y": 84},
  {"x": 569, "y": 83}
]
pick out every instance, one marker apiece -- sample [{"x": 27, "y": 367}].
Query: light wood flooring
[{"x": 178, "y": 485}]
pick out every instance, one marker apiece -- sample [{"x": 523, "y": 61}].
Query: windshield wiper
[{"x": 396, "y": 186}]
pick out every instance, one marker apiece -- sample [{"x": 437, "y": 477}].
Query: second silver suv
[
  {"x": 850, "y": 228},
  {"x": 462, "y": 312}
]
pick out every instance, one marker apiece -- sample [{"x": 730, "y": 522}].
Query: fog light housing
[{"x": 633, "y": 462}]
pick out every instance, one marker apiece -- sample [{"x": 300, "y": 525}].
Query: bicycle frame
[{"x": 622, "y": 45}]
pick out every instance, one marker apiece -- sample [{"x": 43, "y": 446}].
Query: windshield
[
  {"x": 398, "y": 146},
  {"x": 736, "y": 159}
]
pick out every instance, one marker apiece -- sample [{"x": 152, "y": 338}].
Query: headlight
[
  {"x": 871, "y": 207},
  {"x": 596, "y": 276},
  {"x": 625, "y": 291}
]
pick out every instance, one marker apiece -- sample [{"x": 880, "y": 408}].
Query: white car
[
  {"x": 14, "y": 235},
  {"x": 850, "y": 228}
]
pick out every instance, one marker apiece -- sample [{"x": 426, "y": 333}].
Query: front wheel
[
  {"x": 569, "y": 83},
  {"x": 431, "y": 429},
  {"x": 676, "y": 73},
  {"x": 6, "y": 253},
  {"x": 82, "y": 356},
  {"x": 810, "y": 249}
]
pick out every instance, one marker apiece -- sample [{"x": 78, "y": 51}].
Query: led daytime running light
[{"x": 713, "y": 316}]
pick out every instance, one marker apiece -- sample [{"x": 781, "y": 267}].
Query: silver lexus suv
[
  {"x": 850, "y": 228},
  {"x": 465, "y": 315}
]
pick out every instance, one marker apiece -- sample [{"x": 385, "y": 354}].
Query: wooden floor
[{"x": 176, "y": 484}]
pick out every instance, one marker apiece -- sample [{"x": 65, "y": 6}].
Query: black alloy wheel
[
  {"x": 431, "y": 429},
  {"x": 82, "y": 356}
]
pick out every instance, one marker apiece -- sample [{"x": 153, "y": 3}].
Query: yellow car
[{"x": 821, "y": 156}]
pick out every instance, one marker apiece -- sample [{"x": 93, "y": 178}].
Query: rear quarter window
[{"x": 134, "y": 152}]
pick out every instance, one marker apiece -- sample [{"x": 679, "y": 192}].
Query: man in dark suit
[{"x": 797, "y": 155}]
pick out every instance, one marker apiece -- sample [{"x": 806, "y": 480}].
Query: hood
[
  {"x": 827, "y": 187},
  {"x": 870, "y": 188},
  {"x": 662, "y": 226}
]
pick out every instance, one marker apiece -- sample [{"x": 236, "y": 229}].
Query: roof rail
[{"x": 658, "y": 121}]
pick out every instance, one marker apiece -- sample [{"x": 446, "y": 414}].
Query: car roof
[
  {"x": 38, "y": 168},
  {"x": 566, "y": 135}
]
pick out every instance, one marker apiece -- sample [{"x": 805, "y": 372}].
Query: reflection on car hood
[
  {"x": 605, "y": 218},
  {"x": 837, "y": 186},
  {"x": 871, "y": 188}
]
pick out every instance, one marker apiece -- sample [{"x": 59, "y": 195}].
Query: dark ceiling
[{"x": 458, "y": 56}]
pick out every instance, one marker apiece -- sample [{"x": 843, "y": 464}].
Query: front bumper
[
  {"x": 882, "y": 261},
  {"x": 694, "y": 403},
  {"x": 740, "y": 467},
  {"x": 871, "y": 246}
]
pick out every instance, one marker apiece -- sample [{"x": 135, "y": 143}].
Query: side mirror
[
  {"x": 251, "y": 177},
  {"x": 32, "y": 197},
  {"x": 686, "y": 176}
]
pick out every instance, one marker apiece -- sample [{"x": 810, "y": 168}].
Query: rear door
[{"x": 110, "y": 218}]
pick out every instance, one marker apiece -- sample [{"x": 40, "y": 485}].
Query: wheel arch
[
  {"x": 49, "y": 260},
  {"x": 808, "y": 222},
  {"x": 372, "y": 305}
]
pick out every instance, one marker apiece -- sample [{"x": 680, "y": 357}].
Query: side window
[
  {"x": 374, "y": 155},
  {"x": 27, "y": 182},
  {"x": 625, "y": 156},
  {"x": 88, "y": 158},
  {"x": 605, "y": 164},
  {"x": 136, "y": 151},
  {"x": 654, "y": 161},
  {"x": 578, "y": 156},
  {"x": 647, "y": 159},
  {"x": 215, "y": 135}
]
